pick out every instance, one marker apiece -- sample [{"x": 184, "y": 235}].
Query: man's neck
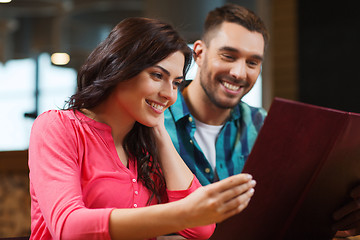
[{"x": 201, "y": 107}]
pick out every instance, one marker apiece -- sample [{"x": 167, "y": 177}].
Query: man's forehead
[{"x": 236, "y": 36}]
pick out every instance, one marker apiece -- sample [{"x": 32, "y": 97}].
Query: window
[
  {"x": 55, "y": 85},
  {"x": 17, "y": 96}
]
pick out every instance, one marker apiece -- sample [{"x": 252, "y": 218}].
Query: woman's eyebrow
[
  {"x": 163, "y": 69},
  {"x": 167, "y": 72}
]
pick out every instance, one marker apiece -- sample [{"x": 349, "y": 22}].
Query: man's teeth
[
  {"x": 231, "y": 86},
  {"x": 157, "y": 106}
]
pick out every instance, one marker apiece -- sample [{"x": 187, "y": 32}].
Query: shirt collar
[{"x": 236, "y": 112}]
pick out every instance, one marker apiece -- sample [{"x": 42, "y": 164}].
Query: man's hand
[{"x": 348, "y": 217}]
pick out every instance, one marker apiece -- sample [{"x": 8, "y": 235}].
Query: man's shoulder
[
  {"x": 246, "y": 109},
  {"x": 250, "y": 115}
]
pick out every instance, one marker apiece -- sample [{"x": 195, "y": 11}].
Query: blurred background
[{"x": 312, "y": 57}]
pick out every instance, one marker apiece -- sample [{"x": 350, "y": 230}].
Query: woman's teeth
[{"x": 156, "y": 106}]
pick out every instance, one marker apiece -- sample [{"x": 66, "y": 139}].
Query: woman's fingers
[
  {"x": 229, "y": 183},
  {"x": 221, "y": 200},
  {"x": 236, "y": 204},
  {"x": 232, "y": 195},
  {"x": 243, "y": 191},
  {"x": 235, "y": 211},
  {"x": 232, "y": 187}
]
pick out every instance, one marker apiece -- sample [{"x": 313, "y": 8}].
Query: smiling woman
[
  {"x": 146, "y": 96},
  {"x": 100, "y": 167}
]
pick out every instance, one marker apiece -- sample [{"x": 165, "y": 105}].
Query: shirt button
[
  {"x": 207, "y": 170},
  {"x": 136, "y": 192},
  {"x": 190, "y": 119},
  {"x": 135, "y": 205},
  {"x": 191, "y": 141},
  {"x": 134, "y": 180}
]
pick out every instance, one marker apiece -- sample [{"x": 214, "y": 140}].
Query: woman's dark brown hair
[{"x": 132, "y": 46}]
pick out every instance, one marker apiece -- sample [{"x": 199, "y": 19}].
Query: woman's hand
[
  {"x": 177, "y": 175},
  {"x": 218, "y": 201},
  {"x": 160, "y": 130}
]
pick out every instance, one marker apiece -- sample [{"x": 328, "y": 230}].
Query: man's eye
[
  {"x": 253, "y": 63},
  {"x": 227, "y": 57}
]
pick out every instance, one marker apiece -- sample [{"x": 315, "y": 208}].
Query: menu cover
[{"x": 305, "y": 160}]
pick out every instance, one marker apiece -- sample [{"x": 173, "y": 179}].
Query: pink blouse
[{"x": 77, "y": 178}]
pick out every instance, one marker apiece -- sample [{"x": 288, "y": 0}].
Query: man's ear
[{"x": 199, "y": 50}]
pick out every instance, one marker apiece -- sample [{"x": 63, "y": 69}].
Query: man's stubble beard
[{"x": 211, "y": 94}]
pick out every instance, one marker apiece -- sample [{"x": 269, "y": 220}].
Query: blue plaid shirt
[{"x": 233, "y": 144}]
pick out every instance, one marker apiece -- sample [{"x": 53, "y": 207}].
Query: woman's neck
[
  {"x": 108, "y": 113},
  {"x": 119, "y": 126}
]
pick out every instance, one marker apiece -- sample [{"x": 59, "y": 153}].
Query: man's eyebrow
[
  {"x": 231, "y": 49},
  {"x": 167, "y": 72}
]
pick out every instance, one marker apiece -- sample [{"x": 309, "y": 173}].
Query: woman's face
[{"x": 145, "y": 97}]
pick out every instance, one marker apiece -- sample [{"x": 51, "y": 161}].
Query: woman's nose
[{"x": 167, "y": 91}]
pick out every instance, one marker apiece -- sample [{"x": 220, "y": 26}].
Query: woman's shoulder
[
  {"x": 55, "y": 119},
  {"x": 55, "y": 115}
]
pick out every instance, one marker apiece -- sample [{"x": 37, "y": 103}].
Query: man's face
[{"x": 229, "y": 63}]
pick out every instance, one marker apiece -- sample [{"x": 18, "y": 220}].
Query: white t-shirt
[{"x": 205, "y": 136}]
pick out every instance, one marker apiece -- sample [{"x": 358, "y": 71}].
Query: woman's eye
[
  {"x": 178, "y": 82},
  {"x": 157, "y": 75}
]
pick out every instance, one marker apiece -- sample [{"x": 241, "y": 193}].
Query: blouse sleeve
[
  {"x": 55, "y": 185},
  {"x": 202, "y": 232}
]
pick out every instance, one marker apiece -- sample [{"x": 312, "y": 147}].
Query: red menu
[{"x": 305, "y": 160}]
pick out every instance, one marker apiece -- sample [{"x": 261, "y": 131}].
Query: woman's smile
[{"x": 157, "y": 107}]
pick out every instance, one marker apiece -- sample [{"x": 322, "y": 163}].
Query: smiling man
[{"x": 212, "y": 129}]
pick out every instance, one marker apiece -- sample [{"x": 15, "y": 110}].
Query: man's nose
[{"x": 238, "y": 70}]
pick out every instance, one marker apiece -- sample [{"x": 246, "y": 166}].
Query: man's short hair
[{"x": 235, "y": 14}]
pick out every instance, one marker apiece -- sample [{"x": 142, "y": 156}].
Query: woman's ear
[{"x": 199, "y": 48}]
